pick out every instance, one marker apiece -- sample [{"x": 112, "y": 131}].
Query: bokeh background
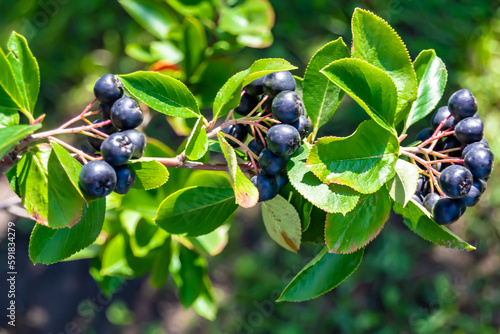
[{"x": 404, "y": 284}]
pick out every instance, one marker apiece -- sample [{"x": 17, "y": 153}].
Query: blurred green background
[{"x": 404, "y": 284}]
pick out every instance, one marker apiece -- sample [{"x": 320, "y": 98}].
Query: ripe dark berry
[
  {"x": 424, "y": 134},
  {"x": 266, "y": 185},
  {"x": 479, "y": 162},
  {"x": 277, "y": 82},
  {"x": 125, "y": 178},
  {"x": 247, "y": 104},
  {"x": 238, "y": 131},
  {"x": 287, "y": 107},
  {"x": 440, "y": 115},
  {"x": 447, "y": 210},
  {"x": 139, "y": 140},
  {"x": 282, "y": 179},
  {"x": 107, "y": 129},
  {"x": 462, "y": 104},
  {"x": 108, "y": 89},
  {"x": 469, "y": 130},
  {"x": 97, "y": 178},
  {"x": 473, "y": 195},
  {"x": 430, "y": 200},
  {"x": 418, "y": 198},
  {"x": 255, "y": 87},
  {"x": 117, "y": 149},
  {"x": 106, "y": 111},
  {"x": 474, "y": 146},
  {"x": 270, "y": 163},
  {"x": 126, "y": 114},
  {"x": 455, "y": 181},
  {"x": 267, "y": 106},
  {"x": 303, "y": 125},
  {"x": 256, "y": 146},
  {"x": 283, "y": 139},
  {"x": 452, "y": 142},
  {"x": 422, "y": 185}
]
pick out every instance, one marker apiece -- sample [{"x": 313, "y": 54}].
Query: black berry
[
  {"x": 256, "y": 146},
  {"x": 462, "y": 104},
  {"x": 105, "y": 111},
  {"x": 255, "y": 87},
  {"x": 247, "y": 104},
  {"x": 117, "y": 149},
  {"x": 473, "y": 195},
  {"x": 126, "y": 114},
  {"x": 270, "y": 163},
  {"x": 107, "y": 129},
  {"x": 479, "y": 162},
  {"x": 452, "y": 142},
  {"x": 125, "y": 178},
  {"x": 440, "y": 115},
  {"x": 424, "y": 134},
  {"x": 238, "y": 131},
  {"x": 97, "y": 178},
  {"x": 266, "y": 185},
  {"x": 277, "y": 82},
  {"x": 108, "y": 89},
  {"x": 455, "y": 181},
  {"x": 469, "y": 130},
  {"x": 282, "y": 179},
  {"x": 139, "y": 140},
  {"x": 474, "y": 146},
  {"x": 283, "y": 139},
  {"x": 447, "y": 210},
  {"x": 303, "y": 125},
  {"x": 287, "y": 107},
  {"x": 430, "y": 200}
]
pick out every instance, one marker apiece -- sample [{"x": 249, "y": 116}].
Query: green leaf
[
  {"x": 432, "y": 77},
  {"x": 49, "y": 245},
  {"x": 374, "y": 41},
  {"x": 363, "y": 161},
  {"x": 321, "y": 96},
  {"x": 195, "y": 211},
  {"x": 107, "y": 284},
  {"x": 282, "y": 223},
  {"x": 65, "y": 197},
  {"x": 190, "y": 276},
  {"x": 325, "y": 272},
  {"x": 299, "y": 202},
  {"x": 193, "y": 45},
  {"x": 8, "y": 117},
  {"x": 368, "y": 85},
  {"x": 118, "y": 259},
  {"x": 212, "y": 243},
  {"x": 229, "y": 95},
  {"x": 199, "y": 8},
  {"x": 27, "y": 72},
  {"x": 144, "y": 235},
  {"x": 328, "y": 197},
  {"x": 149, "y": 174},
  {"x": 315, "y": 233},
  {"x": 151, "y": 15},
  {"x": 205, "y": 305},
  {"x": 245, "y": 192},
  {"x": 160, "y": 269},
  {"x": 12, "y": 135},
  {"x": 214, "y": 146},
  {"x": 347, "y": 234},
  {"x": 251, "y": 21},
  {"x": 162, "y": 93},
  {"x": 10, "y": 94},
  {"x": 32, "y": 182},
  {"x": 419, "y": 220},
  {"x": 197, "y": 143},
  {"x": 402, "y": 187}
]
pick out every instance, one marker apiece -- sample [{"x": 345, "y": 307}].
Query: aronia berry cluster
[
  {"x": 99, "y": 178},
  {"x": 462, "y": 164}
]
